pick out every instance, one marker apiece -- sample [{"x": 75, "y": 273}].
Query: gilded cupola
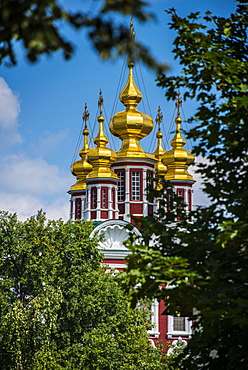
[
  {"x": 101, "y": 157},
  {"x": 177, "y": 160},
  {"x": 82, "y": 167},
  {"x": 131, "y": 125}
]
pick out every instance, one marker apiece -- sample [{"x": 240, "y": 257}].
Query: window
[
  {"x": 170, "y": 200},
  {"x": 152, "y": 314},
  {"x": 179, "y": 326},
  {"x": 149, "y": 181},
  {"x": 145, "y": 307},
  {"x": 78, "y": 209},
  {"x": 180, "y": 194},
  {"x": 104, "y": 197},
  {"x": 93, "y": 197},
  {"x": 178, "y": 323},
  {"x": 121, "y": 186},
  {"x": 135, "y": 185}
]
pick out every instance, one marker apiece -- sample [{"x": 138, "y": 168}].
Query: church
[{"x": 111, "y": 186}]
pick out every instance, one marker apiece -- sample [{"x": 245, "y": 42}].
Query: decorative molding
[{"x": 115, "y": 233}]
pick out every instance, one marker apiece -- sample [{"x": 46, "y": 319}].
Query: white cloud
[
  {"x": 200, "y": 198},
  {"x": 22, "y": 174},
  {"x": 9, "y": 112},
  {"x": 26, "y": 205},
  {"x": 29, "y": 184},
  {"x": 9, "y": 106},
  {"x": 59, "y": 208}
]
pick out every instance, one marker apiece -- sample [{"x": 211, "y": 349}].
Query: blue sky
[{"x": 41, "y": 107}]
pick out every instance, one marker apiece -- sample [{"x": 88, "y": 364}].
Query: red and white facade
[
  {"x": 133, "y": 176},
  {"x": 111, "y": 187}
]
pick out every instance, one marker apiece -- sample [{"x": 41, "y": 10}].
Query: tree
[
  {"x": 59, "y": 310},
  {"x": 205, "y": 262},
  {"x": 39, "y": 24}
]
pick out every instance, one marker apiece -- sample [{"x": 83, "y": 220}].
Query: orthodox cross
[
  {"x": 100, "y": 102},
  {"x": 178, "y": 103},
  {"x": 85, "y": 116},
  {"x": 132, "y": 32},
  {"x": 159, "y": 118}
]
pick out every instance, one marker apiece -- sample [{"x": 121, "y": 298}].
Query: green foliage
[
  {"x": 213, "y": 52},
  {"x": 59, "y": 310},
  {"x": 39, "y": 25},
  {"x": 204, "y": 263},
  {"x": 26, "y": 330}
]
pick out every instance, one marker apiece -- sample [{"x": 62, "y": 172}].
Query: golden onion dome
[
  {"x": 82, "y": 167},
  {"x": 178, "y": 159},
  {"x": 131, "y": 125},
  {"x": 101, "y": 157}
]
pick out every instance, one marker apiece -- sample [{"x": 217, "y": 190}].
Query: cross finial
[
  {"x": 100, "y": 102},
  {"x": 178, "y": 103},
  {"x": 159, "y": 118},
  {"x": 132, "y": 32},
  {"x": 132, "y": 36},
  {"x": 85, "y": 116}
]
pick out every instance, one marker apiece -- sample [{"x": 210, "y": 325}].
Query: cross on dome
[
  {"x": 178, "y": 103},
  {"x": 85, "y": 116},
  {"x": 159, "y": 118}
]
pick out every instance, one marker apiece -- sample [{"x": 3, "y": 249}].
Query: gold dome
[
  {"x": 178, "y": 159},
  {"x": 101, "y": 157},
  {"x": 81, "y": 168},
  {"x": 131, "y": 125}
]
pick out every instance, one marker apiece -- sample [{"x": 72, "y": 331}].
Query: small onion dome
[
  {"x": 160, "y": 169},
  {"x": 131, "y": 125},
  {"x": 101, "y": 157},
  {"x": 158, "y": 154},
  {"x": 178, "y": 159},
  {"x": 81, "y": 168}
]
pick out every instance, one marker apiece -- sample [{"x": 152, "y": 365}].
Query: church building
[{"x": 111, "y": 186}]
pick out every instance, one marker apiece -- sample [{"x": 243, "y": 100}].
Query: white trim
[
  {"x": 154, "y": 332},
  {"x": 136, "y": 161},
  {"x": 115, "y": 254},
  {"x": 115, "y": 265}
]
